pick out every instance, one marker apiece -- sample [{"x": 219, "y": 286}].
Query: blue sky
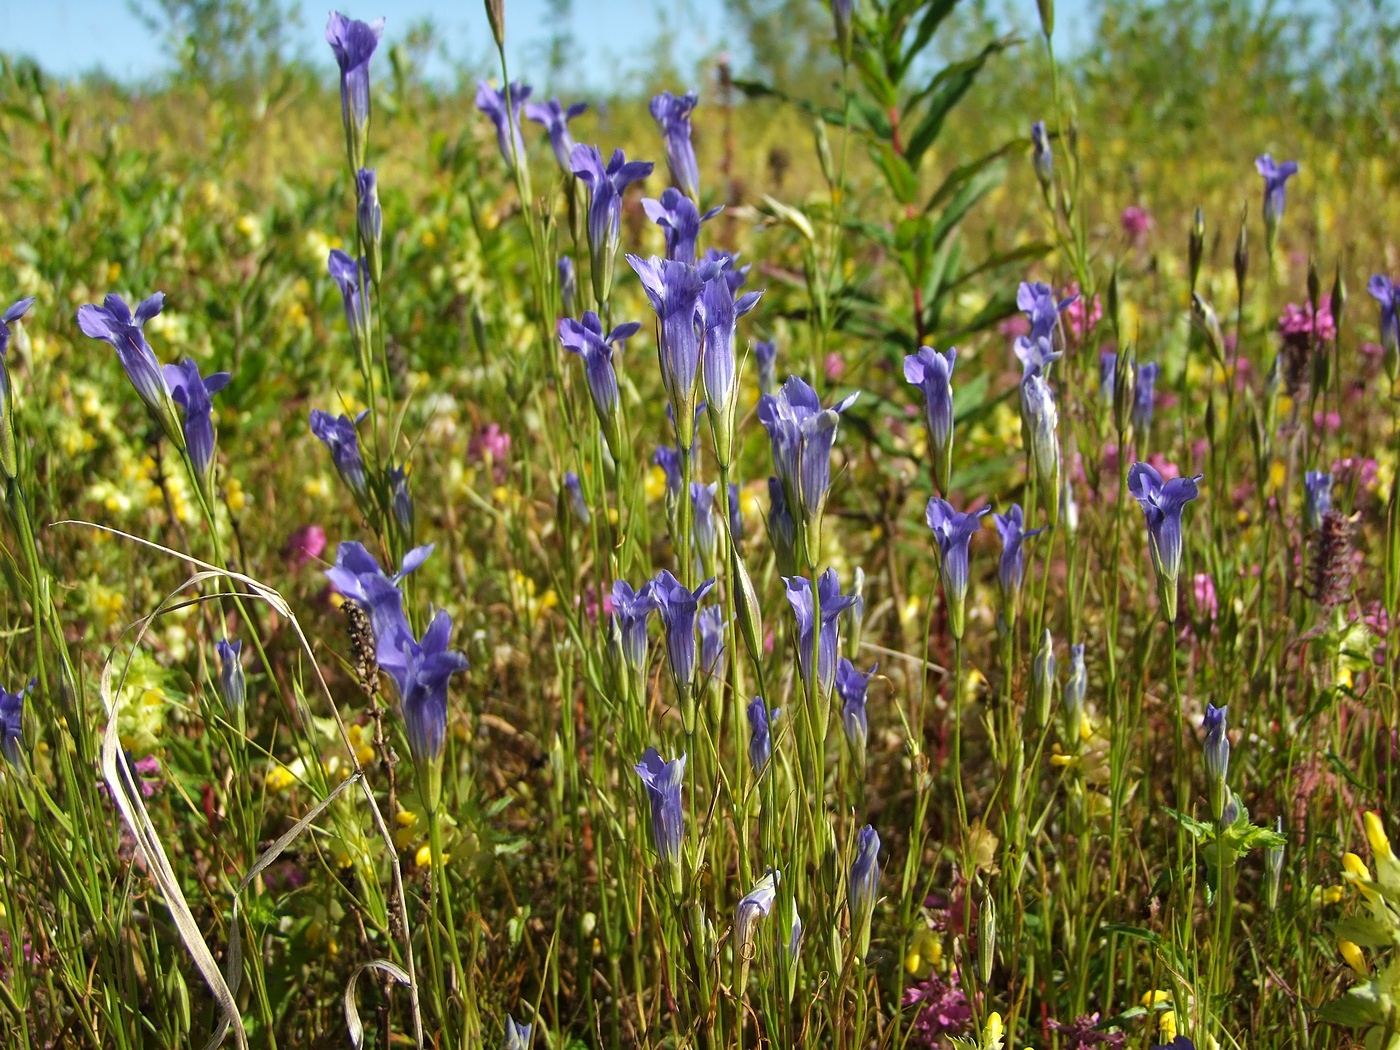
[{"x": 70, "y": 37}]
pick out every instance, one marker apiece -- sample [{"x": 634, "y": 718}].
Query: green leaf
[
  {"x": 1363, "y": 930},
  {"x": 867, "y": 64},
  {"x": 943, "y": 93},
  {"x": 959, "y": 175},
  {"x": 934, "y": 15},
  {"x": 972, "y": 191},
  {"x": 903, "y": 182},
  {"x": 1362, "y": 1005},
  {"x": 830, "y": 114}
]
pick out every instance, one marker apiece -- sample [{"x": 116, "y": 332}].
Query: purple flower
[
  {"x": 702, "y": 498},
  {"x": 233, "y": 687},
  {"x": 1041, "y": 158},
  {"x": 630, "y": 610},
  {"x": 674, "y": 290},
  {"x": 517, "y": 1034},
  {"x": 673, "y": 116},
  {"x": 832, "y": 603},
  {"x": 863, "y": 887},
  {"x": 353, "y": 43},
  {"x": 851, "y": 687},
  {"x": 555, "y": 119},
  {"x": 1037, "y": 301},
  {"x": 568, "y": 284},
  {"x": 12, "y": 725},
  {"x": 760, "y": 736},
  {"x": 1144, "y": 392},
  {"x": 1276, "y": 177},
  {"x": 369, "y": 217},
  {"x": 1216, "y": 751},
  {"x": 586, "y": 339},
  {"x": 711, "y": 640},
  {"x": 1040, "y": 421},
  {"x": 606, "y": 185},
  {"x": 782, "y": 530},
  {"x": 421, "y": 670},
  {"x": 720, "y": 313},
  {"x": 1317, "y": 489},
  {"x": 932, "y": 372},
  {"x": 9, "y": 461},
  {"x": 942, "y": 1009},
  {"x": 663, "y": 781},
  {"x": 1011, "y": 566},
  {"x": 953, "y": 531},
  {"x": 1108, "y": 369},
  {"x": 400, "y": 500},
  {"x": 573, "y": 490},
  {"x": 357, "y": 576},
  {"x": 191, "y": 393},
  {"x": 679, "y": 608},
  {"x": 802, "y": 434},
  {"x": 767, "y": 353},
  {"x": 1036, "y": 355},
  {"x": 113, "y": 323},
  {"x": 338, "y": 433},
  {"x": 1385, "y": 292},
  {"x": 352, "y": 279},
  {"x": 17, "y": 310},
  {"x": 506, "y": 118},
  {"x": 1084, "y": 1034},
  {"x": 754, "y": 905},
  {"x": 679, "y": 220},
  {"x": 1162, "y": 505},
  {"x": 669, "y": 460}
]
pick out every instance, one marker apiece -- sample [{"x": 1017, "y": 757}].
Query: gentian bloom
[
  {"x": 1108, "y": 367},
  {"x": 506, "y": 118},
  {"x": 1012, "y": 565},
  {"x": 1387, "y": 293},
  {"x": 679, "y": 220},
  {"x": 9, "y": 461},
  {"x": 191, "y": 393},
  {"x": 831, "y": 604},
  {"x": 606, "y": 185},
  {"x": 1317, "y": 487},
  {"x": 1040, "y": 421},
  {"x": 351, "y": 277},
  {"x": 669, "y": 460},
  {"x": 1075, "y": 688},
  {"x": 586, "y": 339},
  {"x": 705, "y": 533},
  {"x": 803, "y": 435},
  {"x": 755, "y": 904},
  {"x": 1162, "y": 505},
  {"x": 12, "y": 725},
  {"x": 1276, "y": 177},
  {"x": 679, "y": 608},
  {"x": 760, "y": 737},
  {"x": 1041, "y": 158},
  {"x": 400, "y": 500},
  {"x": 573, "y": 490},
  {"x": 736, "y": 521},
  {"x": 782, "y": 530},
  {"x": 233, "y": 687},
  {"x": 421, "y": 670},
  {"x": 852, "y": 686},
  {"x": 354, "y": 42},
  {"x": 369, "y": 217},
  {"x": 113, "y": 323},
  {"x": 1037, "y": 301},
  {"x": 631, "y": 609},
  {"x": 338, "y": 433},
  {"x": 1043, "y": 679},
  {"x": 555, "y": 119},
  {"x": 356, "y": 575},
  {"x": 863, "y": 887},
  {"x": 720, "y": 312},
  {"x": 674, "y": 289},
  {"x": 663, "y": 781},
  {"x": 766, "y": 351},
  {"x": 1144, "y": 393},
  {"x": 517, "y": 1034},
  {"x": 841, "y": 11},
  {"x": 953, "y": 531},
  {"x": 1036, "y": 355},
  {"x": 711, "y": 640},
  {"x": 568, "y": 284},
  {"x": 673, "y": 116},
  {"x": 932, "y": 372},
  {"x": 1216, "y": 753}
]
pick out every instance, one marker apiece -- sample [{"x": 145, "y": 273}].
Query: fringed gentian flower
[
  {"x": 1011, "y": 568},
  {"x": 953, "y": 530},
  {"x": 756, "y": 904},
  {"x": 852, "y": 687},
  {"x": 1076, "y": 686},
  {"x": 113, "y": 323},
  {"x": 1317, "y": 489},
  {"x": 720, "y": 312},
  {"x": 863, "y": 887},
  {"x": 606, "y": 185},
  {"x": 841, "y": 12},
  {"x": 506, "y": 118},
  {"x": 760, "y": 736},
  {"x": 631, "y": 609},
  {"x": 782, "y": 530},
  {"x": 369, "y": 217},
  {"x": 802, "y": 434},
  {"x": 706, "y": 530},
  {"x": 669, "y": 460},
  {"x": 673, "y": 116},
  {"x": 12, "y": 725},
  {"x": 1144, "y": 393},
  {"x": 555, "y": 119},
  {"x": 679, "y": 606},
  {"x": 831, "y": 603},
  {"x": 573, "y": 491},
  {"x": 1276, "y": 177},
  {"x": 932, "y": 372},
  {"x": 1387, "y": 293},
  {"x": 663, "y": 781},
  {"x": 9, "y": 461},
  {"x": 356, "y": 575},
  {"x": 766, "y": 351},
  {"x": 1043, "y": 679},
  {"x": 191, "y": 393},
  {"x": 1037, "y": 301},
  {"x": 517, "y": 1034},
  {"x": 736, "y": 520},
  {"x": 233, "y": 687},
  {"x": 1040, "y": 421},
  {"x": 674, "y": 289},
  {"x": 1216, "y": 754},
  {"x": 354, "y": 42},
  {"x": 586, "y": 339},
  {"x": 568, "y": 284},
  {"x": 1108, "y": 368},
  {"x": 1162, "y": 505},
  {"x": 1041, "y": 158},
  {"x": 712, "y": 627},
  {"x": 350, "y": 277},
  {"x": 1036, "y": 355},
  {"x": 400, "y": 499},
  {"x": 338, "y": 433},
  {"x": 679, "y": 220}
]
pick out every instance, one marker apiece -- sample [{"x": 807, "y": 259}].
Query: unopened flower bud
[{"x": 1197, "y": 246}]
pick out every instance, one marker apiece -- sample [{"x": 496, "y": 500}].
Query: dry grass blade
[{"x": 352, "y": 1014}]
